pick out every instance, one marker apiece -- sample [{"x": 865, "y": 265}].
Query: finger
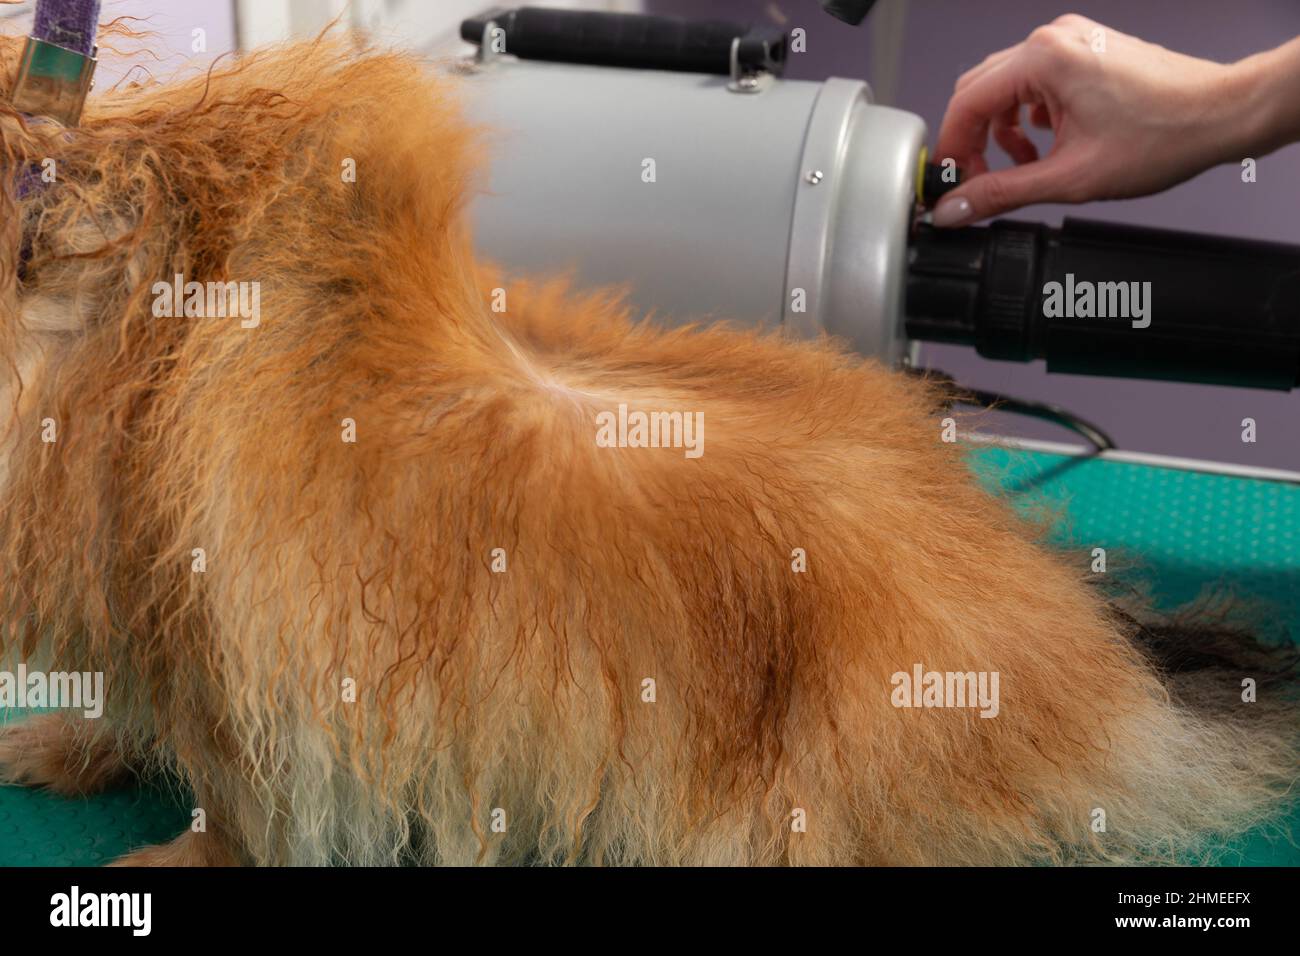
[
  {"x": 1008, "y": 133},
  {"x": 1047, "y": 180},
  {"x": 973, "y": 166},
  {"x": 963, "y": 134},
  {"x": 988, "y": 63}
]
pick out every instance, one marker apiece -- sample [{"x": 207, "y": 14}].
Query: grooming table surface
[{"x": 1187, "y": 531}]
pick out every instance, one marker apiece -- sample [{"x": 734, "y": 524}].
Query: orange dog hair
[{"x": 319, "y": 635}]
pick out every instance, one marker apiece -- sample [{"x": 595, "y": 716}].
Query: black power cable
[{"x": 1043, "y": 411}]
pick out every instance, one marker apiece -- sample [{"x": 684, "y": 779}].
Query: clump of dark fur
[{"x": 1204, "y": 654}]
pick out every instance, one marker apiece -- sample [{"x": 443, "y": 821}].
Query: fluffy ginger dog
[{"x": 321, "y": 638}]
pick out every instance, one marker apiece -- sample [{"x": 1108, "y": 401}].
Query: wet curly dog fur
[{"x": 363, "y": 579}]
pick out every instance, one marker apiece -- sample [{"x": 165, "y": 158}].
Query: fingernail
[{"x": 952, "y": 211}]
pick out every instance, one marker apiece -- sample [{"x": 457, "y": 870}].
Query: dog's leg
[
  {"x": 69, "y": 755},
  {"x": 188, "y": 849}
]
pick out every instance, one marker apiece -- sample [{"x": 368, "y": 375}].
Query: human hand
[{"x": 1129, "y": 118}]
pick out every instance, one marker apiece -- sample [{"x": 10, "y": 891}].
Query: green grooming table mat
[{"x": 1188, "y": 530}]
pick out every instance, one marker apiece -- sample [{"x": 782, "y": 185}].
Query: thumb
[{"x": 989, "y": 194}]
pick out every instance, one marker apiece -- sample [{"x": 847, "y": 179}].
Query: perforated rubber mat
[{"x": 1185, "y": 530}]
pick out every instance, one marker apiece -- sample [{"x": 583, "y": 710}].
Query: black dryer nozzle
[{"x": 1217, "y": 310}]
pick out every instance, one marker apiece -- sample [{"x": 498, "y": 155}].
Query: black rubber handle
[
  {"x": 1219, "y": 310},
  {"x": 631, "y": 40}
]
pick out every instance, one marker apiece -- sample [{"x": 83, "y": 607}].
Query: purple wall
[{"x": 942, "y": 39}]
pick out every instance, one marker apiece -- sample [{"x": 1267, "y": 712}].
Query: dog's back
[{"x": 391, "y": 573}]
